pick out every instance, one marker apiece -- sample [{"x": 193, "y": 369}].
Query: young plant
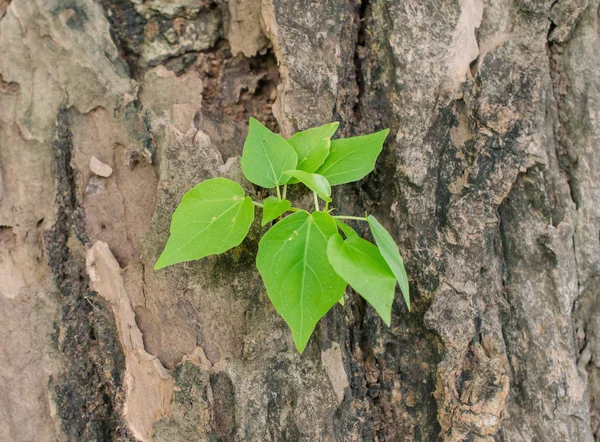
[{"x": 303, "y": 260}]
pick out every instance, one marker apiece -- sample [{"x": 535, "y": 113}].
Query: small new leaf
[
  {"x": 301, "y": 284},
  {"x": 274, "y": 208},
  {"x": 389, "y": 251},
  {"x": 312, "y": 146},
  {"x": 212, "y": 218},
  {"x": 361, "y": 265},
  {"x": 350, "y": 159},
  {"x": 266, "y": 156},
  {"x": 315, "y": 182}
]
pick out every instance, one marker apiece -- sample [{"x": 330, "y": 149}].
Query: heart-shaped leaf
[
  {"x": 301, "y": 284},
  {"x": 361, "y": 265},
  {"x": 350, "y": 159},
  {"x": 312, "y": 146},
  {"x": 274, "y": 208},
  {"x": 266, "y": 156},
  {"x": 212, "y": 218}
]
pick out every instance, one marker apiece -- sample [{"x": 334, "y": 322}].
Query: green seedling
[{"x": 304, "y": 261}]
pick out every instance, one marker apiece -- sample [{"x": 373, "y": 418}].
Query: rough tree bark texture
[{"x": 490, "y": 181}]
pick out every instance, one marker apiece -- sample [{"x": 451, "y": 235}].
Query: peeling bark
[{"x": 111, "y": 110}]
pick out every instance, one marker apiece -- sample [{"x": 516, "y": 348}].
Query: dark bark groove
[{"x": 88, "y": 390}]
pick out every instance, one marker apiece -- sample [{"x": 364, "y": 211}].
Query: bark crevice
[{"x": 87, "y": 391}]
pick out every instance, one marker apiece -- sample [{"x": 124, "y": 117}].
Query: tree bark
[{"x": 489, "y": 181}]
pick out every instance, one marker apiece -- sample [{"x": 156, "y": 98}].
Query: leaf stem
[
  {"x": 316, "y": 201},
  {"x": 284, "y": 190},
  {"x": 358, "y": 218},
  {"x": 257, "y": 204},
  {"x": 278, "y": 193}
]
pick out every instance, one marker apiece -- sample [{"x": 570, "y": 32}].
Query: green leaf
[
  {"x": 266, "y": 156},
  {"x": 361, "y": 265},
  {"x": 292, "y": 260},
  {"x": 350, "y": 159},
  {"x": 389, "y": 251},
  {"x": 315, "y": 182},
  {"x": 212, "y": 218},
  {"x": 312, "y": 146},
  {"x": 274, "y": 208},
  {"x": 345, "y": 228}
]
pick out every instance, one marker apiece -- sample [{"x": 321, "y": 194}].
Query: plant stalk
[{"x": 357, "y": 218}]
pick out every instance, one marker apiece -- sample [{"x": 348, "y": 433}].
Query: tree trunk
[{"x": 489, "y": 181}]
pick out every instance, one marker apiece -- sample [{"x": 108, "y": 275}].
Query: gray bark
[{"x": 489, "y": 181}]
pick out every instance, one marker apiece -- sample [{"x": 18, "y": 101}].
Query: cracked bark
[{"x": 489, "y": 182}]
